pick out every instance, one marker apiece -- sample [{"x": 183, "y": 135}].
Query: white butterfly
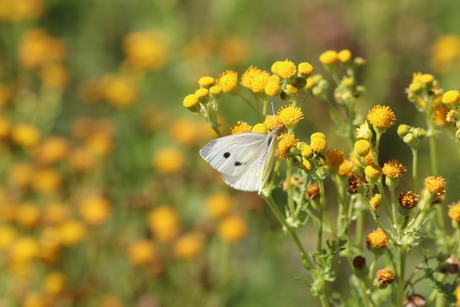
[{"x": 244, "y": 159}]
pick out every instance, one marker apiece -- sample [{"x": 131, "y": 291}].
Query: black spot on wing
[
  {"x": 238, "y": 163},
  {"x": 226, "y": 155}
]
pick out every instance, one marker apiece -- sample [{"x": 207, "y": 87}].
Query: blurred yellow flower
[
  {"x": 35, "y": 299},
  {"x": 95, "y": 210},
  {"x": 21, "y": 174},
  {"x": 185, "y": 131},
  {"x": 454, "y": 212},
  {"x": 49, "y": 245},
  {"x": 385, "y": 276},
  {"x": 37, "y": 47},
  {"x": 146, "y": 50},
  {"x": 436, "y": 185},
  {"x": 7, "y": 236},
  {"x": 71, "y": 232},
  {"x": 24, "y": 249},
  {"x": 7, "y": 211},
  {"x": 5, "y": 126},
  {"x": 25, "y": 135},
  {"x": 232, "y": 229},
  {"x": 377, "y": 239},
  {"x": 233, "y": 50},
  {"x": 108, "y": 300},
  {"x": 286, "y": 141},
  {"x": 46, "y": 180},
  {"x": 206, "y": 81},
  {"x": 119, "y": 91},
  {"x": 168, "y": 161},
  {"x": 27, "y": 214},
  {"x": 54, "y": 283},
  {"x": 17, "y": 10},
  {"x": 218, "y": 204},
  {"x": 55, "y": 213},
  {"x": 344, "y": 55},
  {"x": 328, "y": 57},
  {"x": 445, "y": 53},
  {"x": 142, "y": 252},
  {"x": 188, "y": 246},
  {"x": 100, "y": 143},
  {"x": 272, "y": 88},
  {"x": 305, "y": 69},
  {"x": 54, "y": 75},
  {"x": 334, "y": 158},
  {"x": 81, "y": 160},
  {"x": 164, "y": 223},
  {"x": 51, "y": 150}
]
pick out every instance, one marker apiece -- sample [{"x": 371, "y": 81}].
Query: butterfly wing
[{"x": 244, "y": 159}]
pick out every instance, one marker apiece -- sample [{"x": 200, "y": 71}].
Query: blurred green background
[{"x": 104, "y": 199}]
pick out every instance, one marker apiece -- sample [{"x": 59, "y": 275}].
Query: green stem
[
  {"x": 401, "y": 279},
  {"x": 322, "y": 204},
  {"x": 306, "y": 262},
  {"x": 414, "y": 169}
]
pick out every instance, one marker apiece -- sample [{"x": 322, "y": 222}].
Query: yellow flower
[
  {"x": 233, "y": 50},
  {"x": 373, "y": 171},
  {"x": 377, "y": 239},
  {"x": 228, "y": 81},
  {"x": 54, "y": 75},
  {"x": 188, "y": 246},
  {"x": 20, "y": 174},
  {"x": 24, "y": 249},
  {"x": 272, "y": 88},
  {"x": 54, "y": 283},
  {"x": 415, "y": 86},
  {"x": 146, "y": 50},
  {"x": 381, "y": 116},
  {"x": 393, "y": 169},
  {"x": 81, "y": 160},
  {"x": 218, "y": 205},
  {"x": 191, "y": 101},
  {"x": 334, "y": 158},
  {"x": 202, "y": 93},
  {"x": 71, "y": 232},
  {"x": 142, "y": 252},
  {"x": 46, "y": 180},
  {"x": 364, "y": 132},
  {"x": 168, "y": 161},
  {"x": 286, "y": 141},
  {"x": 255, "y": 79},
  {"x": 34, "y": 299},
  {"x": 206, "y": 81},
  {"x": 305, "y": 69},
  {"x": 14, "y": 11},
  {"x": 272, "y": 122},
  {"x": 385, "y": 276},
  {"x": 344, "y": 55},
  {"x": 7, "y": 237},
  {"x": 362, "y": 147},
  {"x": 215, "y": 90},
  {"x": 292, "y": 89},
  {"x": 375, "y": 201},
  {"x": 307, "y": 151},
  {"x": 232, "y": 229},
  {"x": 318, "y": 144},
  {"x": 260, "y": 128},
  {"x": 27, "y": 214},
  {"x": 185, "y": 131},
  {"x": 450, "y": 98},
  {"x": 37, "y": 47},
  {"x": 307, "y": 166},
  {"x": 55, "y": 213},
  {"x": 408, "y": 200},
  {"x": 345, "y": 168},
  {"x": 318, "y": 135},
  {"x": 290, "y": 115},
  {"x": 426, "y": 78},
  {"x": 164, "y": 223},
  {"x": 119, "y": 91},
  {"x": 445, "y": 53},
  {"x": 25, "y": 135},
  {"x": 240, "y": 127},
  {"x": 95, "y": 210},
  {"x": 440, "y": 115},
  {"x": 435, "y": 185},
  {"x": 285, "y": 69},
  {"x": 454, "y": 212},
  {"x": 52, "y": 149},
  {"x": 329, "y": 57}
]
